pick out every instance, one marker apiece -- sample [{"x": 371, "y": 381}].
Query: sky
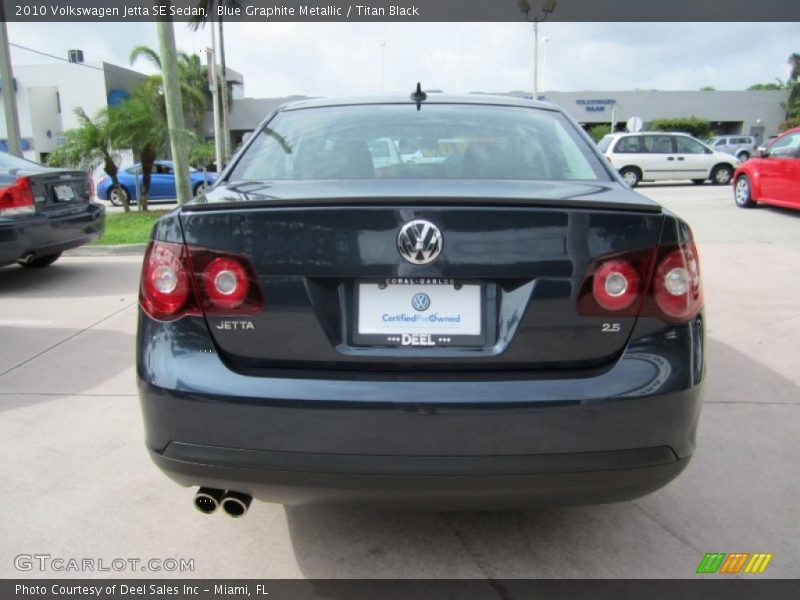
[{"x": 339, "y": 59}]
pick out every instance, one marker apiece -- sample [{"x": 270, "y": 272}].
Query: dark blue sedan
[
  {"x": 162, "y": 183},
  {"x": 44, "y": 211}
]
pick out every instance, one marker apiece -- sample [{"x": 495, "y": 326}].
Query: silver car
[{"x": 741, "y": 146}]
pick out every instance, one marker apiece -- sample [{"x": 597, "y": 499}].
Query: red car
[{"x": 773, "y": 177}]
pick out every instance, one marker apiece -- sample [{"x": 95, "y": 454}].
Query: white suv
[{"x": 657, "y": 156}]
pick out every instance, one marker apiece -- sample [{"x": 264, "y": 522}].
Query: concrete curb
[{"x": 119, "y": 250}]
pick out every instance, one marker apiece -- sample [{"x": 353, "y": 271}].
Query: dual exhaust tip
[{"x": 235, "y": 504}]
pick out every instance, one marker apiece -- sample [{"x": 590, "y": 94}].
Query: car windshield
[{"x": 397, "y": 141}]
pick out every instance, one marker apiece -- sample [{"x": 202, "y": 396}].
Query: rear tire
[
  {"x": 631, "y": 176},
  {"x": 40, "y": 261},
  {"x": 742, "y": 192},
  {"x": 743, "y": 156},
  {"x": 199, "y": 188},
  {"x": 117, "y": 199},
  {"x": 698, "y": 181},
  {"x": 721, "y": 175}
]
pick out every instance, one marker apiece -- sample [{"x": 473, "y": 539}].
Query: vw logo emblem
[
  {"x": 421, "y": 302},
  {"x": 419, "y": 242}
]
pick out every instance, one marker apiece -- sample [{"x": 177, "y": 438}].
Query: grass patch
[{"x": 130, "y": 228}]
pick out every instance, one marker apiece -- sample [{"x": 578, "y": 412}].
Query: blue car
[{"x": 162, "y": 183}]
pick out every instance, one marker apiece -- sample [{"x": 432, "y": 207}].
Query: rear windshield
[{"x": 440, "y": 141}]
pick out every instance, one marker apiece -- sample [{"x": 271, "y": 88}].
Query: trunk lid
[{"x": 525, "y": 248}]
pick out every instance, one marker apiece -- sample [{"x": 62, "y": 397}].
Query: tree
[
  {"x": 195, "y": 22},
  {"x": 708, "y": 88},
  {"x": 777, "y": 85},
  {"x": 793, "y": 105},
  {"x": 192, "y": 77},
  {"x": 89, "y": 146},
  {"x": 699, "y": 128},
  {"x": 597, "y": 132},
  {"x": 139, "y": 123}
]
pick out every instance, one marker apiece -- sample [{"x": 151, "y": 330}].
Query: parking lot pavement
[{"x": 78, "y": 483}]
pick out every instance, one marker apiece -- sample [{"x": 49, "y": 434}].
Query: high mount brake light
[
  {"x": 179, "y": 281},
  {"x": 664, "y": 283},
  {"x": 17, "y": 198}
]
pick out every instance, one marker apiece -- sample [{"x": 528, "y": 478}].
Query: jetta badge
[{"x": 419, "y": 242}]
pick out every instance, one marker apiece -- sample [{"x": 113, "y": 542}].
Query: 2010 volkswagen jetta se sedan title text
[{"x": 439, "y": 302}]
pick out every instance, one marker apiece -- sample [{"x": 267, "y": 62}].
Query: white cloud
[{"x": 279, "y": 59}]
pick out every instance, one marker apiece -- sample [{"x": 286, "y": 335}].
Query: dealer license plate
[{"x": 420, "y": 312}]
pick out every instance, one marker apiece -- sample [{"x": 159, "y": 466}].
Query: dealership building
[{"x": 757, "y": 113}]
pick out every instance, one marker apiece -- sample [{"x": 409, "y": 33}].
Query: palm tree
[
  {"x": 793, "y": 83},
  {"x": 140, "y": 123},
  {"x": 195, "y": 22},
  {"x": 193, "y": 81},
  {"x": 89, "y": 146}
]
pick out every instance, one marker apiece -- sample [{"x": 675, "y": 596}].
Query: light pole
[
  {"x": 544, "y": 62},
  {"x": 382, "y": 44},
  {"x": 548, "y": 6}
]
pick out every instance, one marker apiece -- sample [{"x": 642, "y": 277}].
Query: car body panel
[
  {"x": 775, "y": 177},
  {"x": 62, "y": 218},
  {"x": 552, "y": 406},
  {"x": 663, "y": 156},
  {"x": 162, "y": 184}
]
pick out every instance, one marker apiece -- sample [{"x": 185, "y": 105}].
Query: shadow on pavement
[
  {"x": 661, "y": 535},
  {"x": 73, "y": 278}
]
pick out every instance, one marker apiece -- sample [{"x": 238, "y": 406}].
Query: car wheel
[
  {"x": 118, "y": 197},
  {"x": 721, "y": 175},
  {"x": 698, "y": 181},
  {"x": 742, "y": 192},
  {"x": 631, "y": 176},
  {"x": 40, "y": 261},
  {"x": 743, "y": 156},
  {"x": 200, "y": 188}
]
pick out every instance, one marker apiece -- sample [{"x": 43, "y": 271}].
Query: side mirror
[{"x": 761, "y": 153}]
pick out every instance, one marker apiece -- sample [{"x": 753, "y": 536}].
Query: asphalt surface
[{"x": 77, "y": 482}]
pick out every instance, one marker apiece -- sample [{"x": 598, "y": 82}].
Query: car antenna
[{"x": 419, "y": 96}]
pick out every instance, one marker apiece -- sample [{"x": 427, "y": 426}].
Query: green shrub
[
  {"x": 597, "y": 132},
  {"x": 699, "y": 128}
]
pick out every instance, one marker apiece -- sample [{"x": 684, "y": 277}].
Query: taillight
[
  {"x": 664, "y": 284},
  {"x": 91, "y": 186},
  {"x": 165, "y": 288},
  {"x": 179, "y": 281},
  {"x": 677, "y": 290},
  {"x": 17, "y": 199},
  {"x": 615, "y": 285},
  {"x": 225, "y": 283}
]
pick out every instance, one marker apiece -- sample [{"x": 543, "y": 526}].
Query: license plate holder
[
  {"x": 64, "y": 193},
  {"x": 420, "y": 312}
]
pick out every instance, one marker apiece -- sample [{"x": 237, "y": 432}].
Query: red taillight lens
[
  {"x": 179, "y": 281},
  {"x": 91, "y": 186},
  {"x": 225, "y": 283},
  {"x": 165, "y": 287},
  {"x": 677, "y": 289},
  {"x": 615, "y": 285},
  {"x": 17, "y": 199},
  {"x": 622, "y": 285}
]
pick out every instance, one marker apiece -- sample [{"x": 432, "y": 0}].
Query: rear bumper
[
  {"x": 45, "y": 234},
  {"x": 493, "y": 441},
  {"x": 429, "y": 482}
]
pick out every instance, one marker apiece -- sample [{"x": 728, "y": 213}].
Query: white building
[{"x": 47, "y": 96}]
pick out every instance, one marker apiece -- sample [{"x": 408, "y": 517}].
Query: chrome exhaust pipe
[
  {"x": 207, "y": 500},
  {"x": 235, "y": 504}
]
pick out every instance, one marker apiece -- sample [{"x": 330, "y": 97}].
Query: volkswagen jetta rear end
[{"x": 491, "y": 319}]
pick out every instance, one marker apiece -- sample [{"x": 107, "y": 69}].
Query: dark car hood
[{"x": 604, "y": 195}]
